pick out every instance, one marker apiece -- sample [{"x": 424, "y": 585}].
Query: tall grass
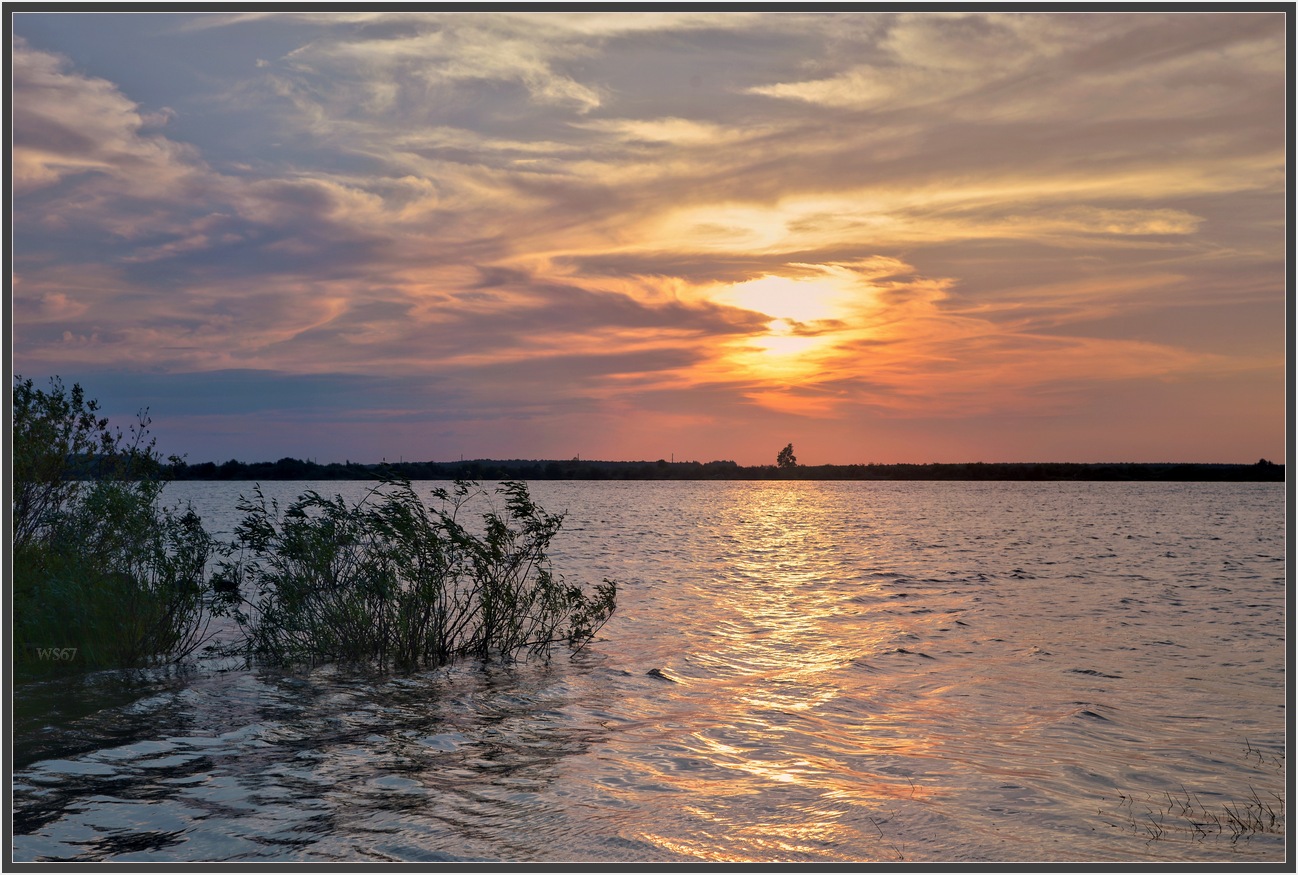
[{"x": 392, "y": 581}]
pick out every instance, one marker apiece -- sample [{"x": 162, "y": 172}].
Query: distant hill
[{"x": 581, "y": 469}]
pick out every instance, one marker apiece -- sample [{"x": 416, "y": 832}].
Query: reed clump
[{"x": 390, "y": 580}]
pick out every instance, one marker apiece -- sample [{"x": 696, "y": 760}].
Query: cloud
[
  {"x": 673, "y": 131},
  {"x": 568, "y": 212},
  {"x": 417, "y": 58},
  {"x": 68, "y": 124}
]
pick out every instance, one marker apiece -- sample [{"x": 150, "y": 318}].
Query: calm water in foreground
[{"x": 853, "y": 672}]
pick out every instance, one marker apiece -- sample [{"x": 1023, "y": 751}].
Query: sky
[{"x": 910, "y": 237}]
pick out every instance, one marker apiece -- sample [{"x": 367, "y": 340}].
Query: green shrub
[
  {"x": 102, "y": 573},
  {"x": 390, "y": 580}
]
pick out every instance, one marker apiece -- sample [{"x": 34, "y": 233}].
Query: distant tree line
[{"x": 582, "y": 469}]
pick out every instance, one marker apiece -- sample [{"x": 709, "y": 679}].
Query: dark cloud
[
  {"x": 557, "y": 305},
  {"x": 697, "y": 267},
  {"x": 561, "y": 372},
  {"x": 253, "y": 392}
]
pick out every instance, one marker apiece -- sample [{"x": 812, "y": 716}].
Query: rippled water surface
[{"x": 840, "y": 671}]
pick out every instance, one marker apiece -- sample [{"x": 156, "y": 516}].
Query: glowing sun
[{"x": 806, "y": 318}]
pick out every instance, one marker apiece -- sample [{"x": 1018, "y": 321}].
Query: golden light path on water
[{"x": 767, "y": 671}]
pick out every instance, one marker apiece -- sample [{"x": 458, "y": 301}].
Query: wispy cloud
[{"x": 67, "y": 124}]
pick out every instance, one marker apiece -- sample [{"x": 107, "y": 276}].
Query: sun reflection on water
[{"x": 793, "y": 622}]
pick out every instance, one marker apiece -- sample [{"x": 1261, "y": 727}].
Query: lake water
[{"x": 884, "y": 671}]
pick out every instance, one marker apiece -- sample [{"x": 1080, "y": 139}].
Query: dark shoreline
[{"x": 576, "y": 469}]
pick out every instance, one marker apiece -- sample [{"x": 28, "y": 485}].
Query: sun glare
[
  {"x": 807, "y": 316},
  {"x": 797, "y": 299},
  {"x": 781, "y": 339}
]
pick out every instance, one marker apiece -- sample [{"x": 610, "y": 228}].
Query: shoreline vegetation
[
  {"x": 582, "y": 469},
  {"x": 106, "y": 576}
]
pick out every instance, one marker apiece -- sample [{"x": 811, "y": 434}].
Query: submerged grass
[{"x": 1184, "y": 815}]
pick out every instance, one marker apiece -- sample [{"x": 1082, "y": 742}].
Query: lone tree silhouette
[{"x": 786, "y": 459}]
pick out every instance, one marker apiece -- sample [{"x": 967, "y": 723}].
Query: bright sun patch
[
  {"x": 785, "y": 298},
  {"x": 782, "y": 339},
  {"x": 807, "y": 316}
]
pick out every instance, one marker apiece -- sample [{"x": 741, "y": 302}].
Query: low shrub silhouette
[
  {"x": 390, "y": 580},
  {"x": 102, "y": 572},
  {"x": 105, "y": 576}
]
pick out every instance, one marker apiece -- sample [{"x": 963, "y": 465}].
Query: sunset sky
[{"x": 916, "y": 237}]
